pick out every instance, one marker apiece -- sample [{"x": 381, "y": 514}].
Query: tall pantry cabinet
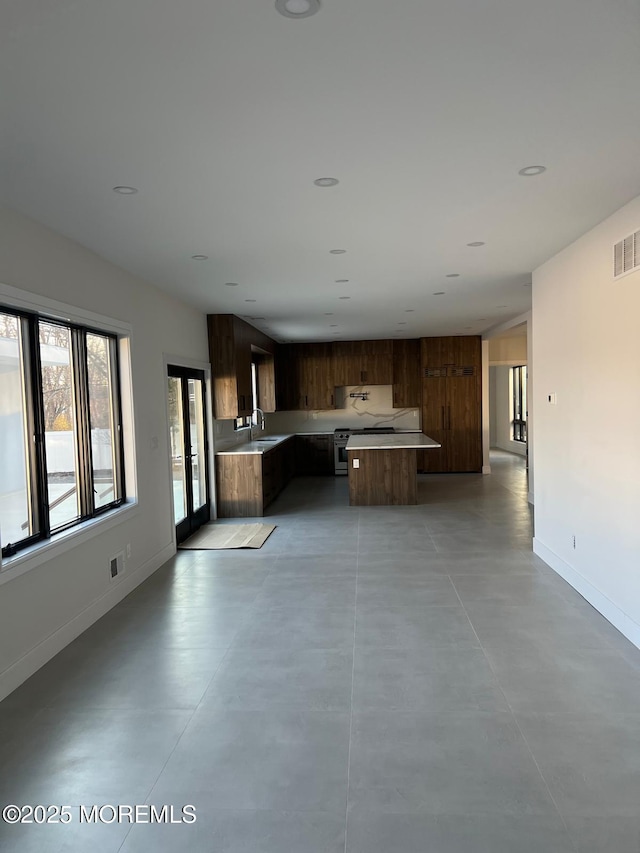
[{"x": 452, "y": 402}]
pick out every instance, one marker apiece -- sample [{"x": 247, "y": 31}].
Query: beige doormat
[{"x": 215, "y": 537}]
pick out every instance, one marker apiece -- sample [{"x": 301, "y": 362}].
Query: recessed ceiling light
[
  {"x": 125, "y": 190},
  {"x": 475, "y": 244},
  {"x": 342, "y": 281},
  {"x": 326, "y": 182},
  {"x": 297, "y": 8},
  {"x": 402, "y": 322},
  {"x": 333, "y": 325},
  {"x": 409, "y": 310},
  {"x": 344, "y": 297},
  {"x": 337, "y": 251},
  {"x": 439, "y": 293},
  {"x": 231, "y": 284},
  {"x": 532, "y": 171},
  {"x": 199, "y": 257},
  {"x": 250, "y": 300},
  {"x": 328, "y": 313},
  {"x": 453, "y": 275}
]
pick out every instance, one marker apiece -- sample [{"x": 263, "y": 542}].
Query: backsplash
[{"x": 377, "y": 410}]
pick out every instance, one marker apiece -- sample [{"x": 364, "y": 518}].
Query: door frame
[{"x": 180, "y": 361}]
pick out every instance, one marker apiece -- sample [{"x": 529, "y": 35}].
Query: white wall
[
  {"x": 45, "y": 608},
  {"x": 586, "y": 350},
  {"x": 501, "y": 413}
]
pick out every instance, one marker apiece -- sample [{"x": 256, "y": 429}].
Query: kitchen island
[{"x": 383, "y": 469}]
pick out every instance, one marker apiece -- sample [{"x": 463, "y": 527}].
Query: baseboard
[
  {"x": 530, "y": 498},
  {"x": 592, "y": 594},
  {"x": 41, "y": 654}
]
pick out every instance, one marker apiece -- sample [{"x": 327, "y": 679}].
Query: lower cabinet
[
  {"x": 247, "y": 483},
  {"x": 314, "y": 454}
]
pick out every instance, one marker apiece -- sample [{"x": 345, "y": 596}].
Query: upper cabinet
[
  {"x": 304, "y": 377},
  {"x": 233, "y": 345},
  {"x": 362, "y": 362},
  {"x": 407, "y": 385}
]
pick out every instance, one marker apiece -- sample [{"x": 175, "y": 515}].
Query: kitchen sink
[{"x": 267, "y": 439}]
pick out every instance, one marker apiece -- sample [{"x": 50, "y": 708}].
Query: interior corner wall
[
  {"x": 586, "y": 352},
  {"x": 45, "y": 608}
]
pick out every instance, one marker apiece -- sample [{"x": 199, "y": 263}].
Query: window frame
[
  {"x": 33, "y": 402},
  {"x": 519, "y": 403}
]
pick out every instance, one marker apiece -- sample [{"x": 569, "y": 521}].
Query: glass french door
[{"x": 189, "y": 456}]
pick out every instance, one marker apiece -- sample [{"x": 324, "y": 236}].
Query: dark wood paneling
[
  {"x": 384, "y": 478},
  {"x": 247, "y": 483},
  {"x": 452, "y": 402},
  {"x": 407, "y": 386},
  {"x": 363, "y": 362},
  {"x": 314, "y": 454},
  {"x": 266, "y": 382},
  {"x": 239, "y": 486},
  {"x": 230, "y": 348}
]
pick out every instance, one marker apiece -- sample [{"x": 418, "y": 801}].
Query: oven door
[{"x": 340, "y": 458}]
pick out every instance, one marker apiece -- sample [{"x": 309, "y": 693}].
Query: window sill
[{"x": 61, "y": 543}]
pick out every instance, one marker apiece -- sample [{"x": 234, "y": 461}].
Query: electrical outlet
[
  {"x": 356, "y": 463},
  {"x": 573, "y": 539}
]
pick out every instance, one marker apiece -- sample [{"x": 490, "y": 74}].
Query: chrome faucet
[{"x": 262, "y": 419}]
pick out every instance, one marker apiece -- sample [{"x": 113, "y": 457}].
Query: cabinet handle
[
  {"x": 306, "y": 401},
  {"x": 443, "y": 426},
  {"x": 363, "y": 376},
  {"x": 448, "y": 417},
  {"x": 332, "y": 399}
]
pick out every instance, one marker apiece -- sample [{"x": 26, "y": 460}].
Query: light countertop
[
  {"x": 397, "y": 441},
  {"x": 255, "y": 446}
]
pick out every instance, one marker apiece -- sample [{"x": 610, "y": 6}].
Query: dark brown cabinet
[
  {"x": 247, "y": 483},
  {"x": 314, "y": 454},
  {"x": 407, "y": 385},
  {"x": 304, "y": 377},
  {"x": 363, "y": 362},
  {"x": 230, "y": 356},
  {"x": 452, "y": 402},
  {"x": 233, "y": 345}
]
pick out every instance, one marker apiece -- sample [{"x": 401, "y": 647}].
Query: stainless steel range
[{"x": 340, "y": 439}]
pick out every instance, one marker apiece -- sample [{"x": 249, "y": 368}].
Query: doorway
[{"x": 189, "y": 452}]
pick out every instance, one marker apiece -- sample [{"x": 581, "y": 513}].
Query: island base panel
[{"x": 384, "y": 478}]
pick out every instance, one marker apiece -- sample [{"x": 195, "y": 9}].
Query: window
[
  {"x": 60, "y": 427},
  {"x": 519, "y": 403}
]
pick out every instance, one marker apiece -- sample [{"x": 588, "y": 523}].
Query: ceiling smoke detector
[
  {"x": 297, "y": 8},
  {"x": 125, "y": 190},
  {"x": 337, "y": 251},
  {"x": 231, "y": 284},
  {"x": 199, "y": 257},
  {"x": 475, "y": 244},
  {"x": 326, "y": 182}
]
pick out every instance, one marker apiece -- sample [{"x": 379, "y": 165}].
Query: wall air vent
[
  {"x": 116, "y": 566},
  {"x": 435, "y": 372},
  {"x": 626, "y": 255},
  {"x": 461, "y": 371}
]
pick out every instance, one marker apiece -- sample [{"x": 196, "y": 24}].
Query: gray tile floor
[{"x": 374, "y": 680}]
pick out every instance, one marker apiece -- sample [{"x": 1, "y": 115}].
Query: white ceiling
[{"x": 222, "y": 113}]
